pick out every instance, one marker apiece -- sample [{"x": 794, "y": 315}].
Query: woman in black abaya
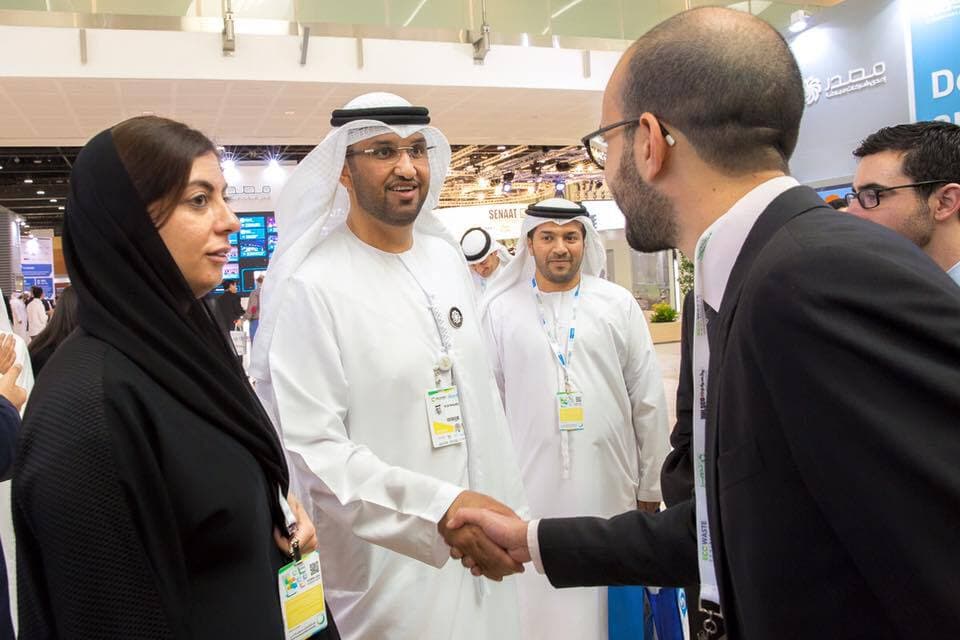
[{"x": 148, "y": 480}]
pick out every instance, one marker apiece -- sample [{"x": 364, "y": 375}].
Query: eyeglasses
[
  {"x": 391, "y": 155},
  {"x": 596, "y": 142},
  {"x": 870, "y": 198}
]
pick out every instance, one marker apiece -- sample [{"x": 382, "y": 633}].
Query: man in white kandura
[
  {"x": 584, "y": 398},
  {"x": 371, "y": 362},
  {"x": 487, "y": 257}
]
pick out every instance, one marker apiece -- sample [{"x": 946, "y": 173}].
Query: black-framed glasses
[
  {"x": 870, "y": 198},
  {"x": 596, "y": 142},
  {"x": 391, "y": 155}
]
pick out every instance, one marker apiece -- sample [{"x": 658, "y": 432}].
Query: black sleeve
[
  {"x": 866, "y": 382},
  {"x": 9, "y": 427},
  {"x": 631, "y": 548},
  {"x": 83, "y": 572},
  {"x": 676, "y": 476}
]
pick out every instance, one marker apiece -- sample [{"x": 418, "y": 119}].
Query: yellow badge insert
[
  {"x": 301, "y": 598},
  {"x": 570, "y": 410}
]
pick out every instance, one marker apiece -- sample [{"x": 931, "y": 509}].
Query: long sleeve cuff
[{"x": 533, "y": 545}]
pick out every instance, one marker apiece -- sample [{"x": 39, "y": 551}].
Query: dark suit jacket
[
  {"x": 676, "y": 475},
  {"x": 833, "y": 441}
]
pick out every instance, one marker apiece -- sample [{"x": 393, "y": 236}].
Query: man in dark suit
[{"x": 831, "y": 393}]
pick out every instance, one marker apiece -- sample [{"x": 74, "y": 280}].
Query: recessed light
[
  {"x": 41, "y": 192},
  {"x": 1, "y": 167},
  {"x": 53, "y": 199},
  {"x": 501, "y": 147},
  {"x": 38, "y": 162},
  {"x": 61, "y": 208},
  {"x": 27, "y": 181}
]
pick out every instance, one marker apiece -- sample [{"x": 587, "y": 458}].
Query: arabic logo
[{"x": 811, "y": 90}]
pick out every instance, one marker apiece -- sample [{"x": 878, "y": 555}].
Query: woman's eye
[{"x": 199, "y": 200}]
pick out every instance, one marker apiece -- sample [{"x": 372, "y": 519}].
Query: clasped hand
[{"x": 483, "y": 535}]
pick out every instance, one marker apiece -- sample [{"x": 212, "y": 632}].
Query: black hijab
[{"x": 133, "y": 296}]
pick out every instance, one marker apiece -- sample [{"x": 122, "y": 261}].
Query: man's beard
[
  {"x": 651, "y": 218},
  {"x": 373, "y": 200},
  {"x": 918, "y": 227}
]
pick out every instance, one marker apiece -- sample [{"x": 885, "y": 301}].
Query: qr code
[{"x": 314, "y": 568}]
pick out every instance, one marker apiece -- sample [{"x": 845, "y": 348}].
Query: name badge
[
  {"x": 570, "y": 410},
  {"x": 301, "y": 598},
  {"x": 444, "y": 417}
]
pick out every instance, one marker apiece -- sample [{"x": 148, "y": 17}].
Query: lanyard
[
  {"x": 562, "y": 356},
  {"x": 709, "y": 590},
  {"x": 445, "y": 363}
]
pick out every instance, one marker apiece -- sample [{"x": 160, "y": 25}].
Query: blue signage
[
  {"x": 36, "y": 270},
  {"x": 44, "y": 283},
  {"x": 936, "y": 60}
]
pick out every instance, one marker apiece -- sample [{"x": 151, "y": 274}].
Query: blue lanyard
[{"x": 563, "y": 356}]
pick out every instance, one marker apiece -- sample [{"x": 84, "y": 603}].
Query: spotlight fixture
[
  {"x": 53, "y": 199},
  {"x": 28, "y": 181},
  {"x": 799, "y": 20},
  {"x": 501, "y": 147},
  {"x": 560, "y": 185},
  {"x": 507, "y": 187},
  {"x": 482, "y": 182},
  {"x": 61, "y": 208},
  {"x": 41, "y": 192}
]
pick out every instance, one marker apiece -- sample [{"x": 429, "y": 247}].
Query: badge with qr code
[{"x": 301, "y": 598}]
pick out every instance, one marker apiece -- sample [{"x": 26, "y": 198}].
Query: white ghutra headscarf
[
  {"x": 314, "y": 202},
  {"x": 561, "y": 212}
]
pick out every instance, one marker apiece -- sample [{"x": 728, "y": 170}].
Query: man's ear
[
  {"x": 649, "y": 147},
  {"x": 345, "y": 178},
  {"x": 946, "y": 202}
]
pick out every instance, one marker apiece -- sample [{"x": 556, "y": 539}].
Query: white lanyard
[
  {"x": 445, "y": 362},
  {"x": 701, "y": 365},
  {"x": 562, "y": 356}
]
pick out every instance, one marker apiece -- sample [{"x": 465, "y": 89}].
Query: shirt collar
[
  {"x": 954, "y": 272},
  {"x": 739, "y": 220}
]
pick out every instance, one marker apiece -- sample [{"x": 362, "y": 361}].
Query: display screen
[
  {"x": 255, "y": 243},
  {"x": 271, "y": 245},
  {"x": 271, "y": 224}
]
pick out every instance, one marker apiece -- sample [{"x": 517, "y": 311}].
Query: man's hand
[
  {"x": 9, "y": 389},
  {"x": 468, "y": 542},
  {"x": 304, "y": 532},
  {"x": 507, "y": 532},
  {"x": 8, "y": 351},
  {"x": 647, "y": 507}
]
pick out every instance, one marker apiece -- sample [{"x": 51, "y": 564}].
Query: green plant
[
  {"x": 686, "y": 276},
  {"x": 663, "y": 312}
]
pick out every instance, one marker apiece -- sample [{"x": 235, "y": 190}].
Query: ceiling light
[
  {"x": 38, "y": 161},
  {"x": 228, "y": 165},
  {"x": 482, "y": 182},
  {"x": 41, "y": 192},
  {"x": 507, "y": 187},
  {"x": 53, "y": 199},
  {"x": 501, "y": 147},
  {"x": 799, "y": 20},
  {"x": 1, "y": 167},
  {"x": 560, "y": 185},
  {"x": 60, "y": 208},
  {"x": 27, "y": 181}
]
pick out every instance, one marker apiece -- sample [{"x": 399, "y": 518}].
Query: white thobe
[
  {"x": 352, "y": 358},
  {"x": 19, "y": 312},
  {"x": 36, "y": 317},
  {"x": 615, "y": 460},
  {"x": 481, "y": 283}
]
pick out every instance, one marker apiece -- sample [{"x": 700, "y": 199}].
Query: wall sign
[{"x": 935, "y": 48}]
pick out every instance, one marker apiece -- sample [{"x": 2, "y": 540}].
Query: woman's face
[{"x": 196, "y": 233}]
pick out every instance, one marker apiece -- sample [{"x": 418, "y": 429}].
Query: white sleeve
[
  {"x": 382, "y": 503},
  {"x": 648, "y": 402}
]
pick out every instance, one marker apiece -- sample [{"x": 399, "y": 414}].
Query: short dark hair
[
  {"x": 931, "y": 151},
  {"x": 36, "y": 292},
  {"x": 726, "y": 80},
  {"x": 838, "y": 203},
  {"x": 158, "y": 154},
  {"x": 228, "y": 283}
]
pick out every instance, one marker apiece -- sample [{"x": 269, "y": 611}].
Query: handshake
[{"x": 486, "y": 536}]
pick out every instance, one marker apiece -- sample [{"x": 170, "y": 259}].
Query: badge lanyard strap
[
  {"x": 709, "y": 591},
  {"x": 563, "y": 359},
  {"x": 445, "y": 343}
]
